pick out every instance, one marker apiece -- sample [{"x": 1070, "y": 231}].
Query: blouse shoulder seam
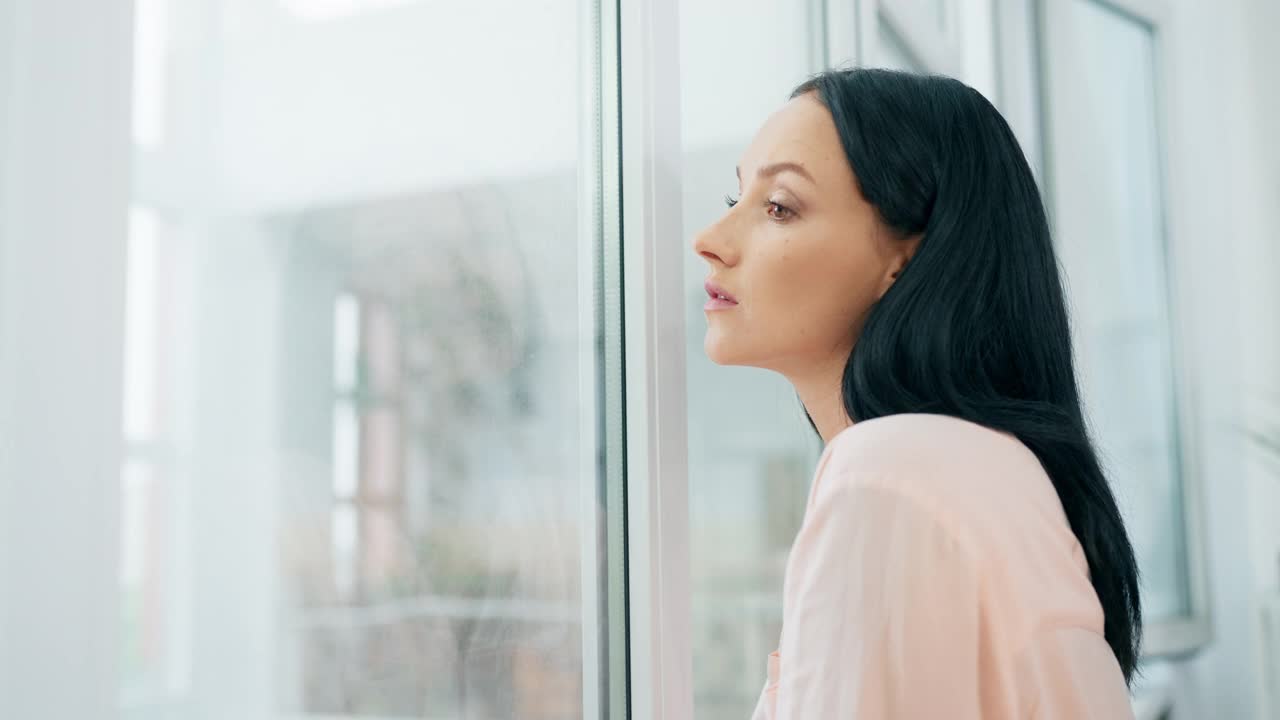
[{"x": 880, "y": 483}]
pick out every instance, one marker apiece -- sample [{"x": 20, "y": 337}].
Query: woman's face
[{"x": 801, "y": 251}]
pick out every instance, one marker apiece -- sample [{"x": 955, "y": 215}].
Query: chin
[
  {"x": 717, "y": 352},
  {"x": 712, "y": 350}
]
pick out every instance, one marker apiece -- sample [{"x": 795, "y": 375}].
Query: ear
[{"x": 904, "y": 249}]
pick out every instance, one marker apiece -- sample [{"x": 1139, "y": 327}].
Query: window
[
  {"x": 362, "y": 296},
  {"x": 1115, "y": 231}
]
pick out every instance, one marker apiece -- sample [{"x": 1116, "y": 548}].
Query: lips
[{"x": 715, "y": 291}]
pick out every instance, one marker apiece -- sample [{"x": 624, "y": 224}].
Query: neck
[{"x": 819, "y": 390}]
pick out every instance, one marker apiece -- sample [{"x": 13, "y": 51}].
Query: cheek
[
  {"x": 827, "y": 287},
  {"x": 801, "y": 297}
]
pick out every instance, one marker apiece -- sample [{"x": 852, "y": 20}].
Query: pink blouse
[{"x": 935, "y": 576}]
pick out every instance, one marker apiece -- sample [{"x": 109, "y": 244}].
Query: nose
[{"x": 710, "y": 244}]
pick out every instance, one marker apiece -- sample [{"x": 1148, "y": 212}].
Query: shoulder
[
  {"x": 960, "y": 484},
  {"x": 927, "y": 451},
  {"x": 972, "y": 477}
]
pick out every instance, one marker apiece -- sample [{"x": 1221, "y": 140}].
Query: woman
[{"x": 961, "y": 554}]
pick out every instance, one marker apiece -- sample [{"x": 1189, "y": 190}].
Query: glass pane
[
  {"x": 751, "y": 451},
  {"x": 1115, "y": 247},
  {"x": 892, "y": 50},
  {"x": 352, "y": 397}
]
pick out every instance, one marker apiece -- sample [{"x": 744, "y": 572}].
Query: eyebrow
[{"x": 778, "y": 167}]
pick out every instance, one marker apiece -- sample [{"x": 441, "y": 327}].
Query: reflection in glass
[{"x": 352, "y": 404}]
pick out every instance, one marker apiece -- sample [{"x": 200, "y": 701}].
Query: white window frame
[
  {"x": 657, "y": 458},
  {"x": 602, "y": 420}
]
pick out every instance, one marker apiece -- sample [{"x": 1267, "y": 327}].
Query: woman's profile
[{"x": 961, "y": 553}]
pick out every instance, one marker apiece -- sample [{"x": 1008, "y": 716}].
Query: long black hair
[{"x": 975, "y": 325}]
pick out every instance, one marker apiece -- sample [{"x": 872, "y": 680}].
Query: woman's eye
[
  {"x": 785, "y": 212},
  {"x": 777, "y": 211}
]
